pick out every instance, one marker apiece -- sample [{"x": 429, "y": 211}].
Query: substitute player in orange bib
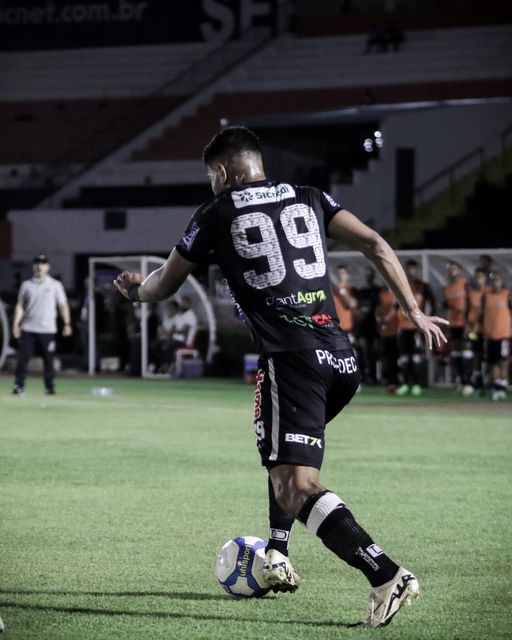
[
  {"x": 474, "y": 327},
  {"x": 411, "y": 347},
  {"x": 387, "y": 323},
  {"x": 496, "y": 305},
  {"x": 456, "y": 301}
]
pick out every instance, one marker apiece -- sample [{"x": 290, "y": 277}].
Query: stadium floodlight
[{"x": 144, "y": 264}]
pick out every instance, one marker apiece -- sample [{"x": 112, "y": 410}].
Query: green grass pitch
[{"x": 112, "y": 510}]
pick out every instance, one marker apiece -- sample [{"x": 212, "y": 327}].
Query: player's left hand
[
  {"x": 67, "y": 330},
  {"x": 428, "y": 327},
  {"x": 125, "y": 280}
]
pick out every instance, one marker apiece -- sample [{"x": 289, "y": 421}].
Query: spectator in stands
[
  {"x": 411, "y": 348},
  {"x": 344, "y": 300},
  {"x": 376, "y": 39},
  {"x": 366, "y": 326},
  {"x": 394, "y": 36},
  {"x": 35, "y": 322},
  {"x": 455, "y": 301},
  {"x": 474, "y": 326},
  {"x": 387, "y": 322},
  {"x": 496, "y": 305}
]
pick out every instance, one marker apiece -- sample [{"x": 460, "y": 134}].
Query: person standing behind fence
[
  {"x": 387, "y": 322},
  {"x": 410, "y": 344},
  {"x": 344, "y": 300},
  {"x": 474, "y": 327},
  {"x": 365, "y": 330},
  {"x": 455, "y": 301},
  {"x": 496, "y": 304},
  {"x": 35, "y": 322}
]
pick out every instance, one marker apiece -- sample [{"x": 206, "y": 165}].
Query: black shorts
[
  {"x": 297, "y": 394},
  {"x": 496, "y": 351}
]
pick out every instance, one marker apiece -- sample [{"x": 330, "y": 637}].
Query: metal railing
[{"x": 448, "y": 177}]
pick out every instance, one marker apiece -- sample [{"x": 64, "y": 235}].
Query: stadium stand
[{"x": 127, "y": 119}]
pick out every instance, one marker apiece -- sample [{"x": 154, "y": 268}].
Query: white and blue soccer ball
[{"x": 239, "y": 567}]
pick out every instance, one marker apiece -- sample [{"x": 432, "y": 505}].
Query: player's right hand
[
  {"x": 428, "y": 325},
  {"x": 16, "y": 332},
  {"x": 125, "y": 280}
]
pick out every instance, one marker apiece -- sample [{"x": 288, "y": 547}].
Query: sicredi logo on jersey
[{"x": 260, "y": 195}]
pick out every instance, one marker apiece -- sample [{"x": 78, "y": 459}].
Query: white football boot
[
  {"x": 279, "y": 573},
  {"x": 386, "y": 600}
]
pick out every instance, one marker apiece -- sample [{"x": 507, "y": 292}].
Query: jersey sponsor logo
[
  {"x": 259, "y": 432},
  {"x": 279, "y": 534},
  {"x": 300, "y": 438},
  {"x": 331, "y": 200},
  {"x": 189, "y": 237},
  {"x": 343, "y": 365},
  {"x": 310, "y": 322},
  {"x": 259, "y": 195},
  {"x": 297, "y": 299},
  {"x": 374, "y": 550},
  {"x": 260, "y": 376},
  {"x": 367, "y": 558}
]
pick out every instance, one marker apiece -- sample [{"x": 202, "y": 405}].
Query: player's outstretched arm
[
  {"x": 160, "y": 284},
  {"x": 349, "y": 230}
]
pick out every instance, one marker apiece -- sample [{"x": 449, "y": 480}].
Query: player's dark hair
[
  {"x": 481, "y": 270},
  {"x": 229, "y": 142},
  {"x": 342, "y": 266},
  {"x": 411, "y": 263}
]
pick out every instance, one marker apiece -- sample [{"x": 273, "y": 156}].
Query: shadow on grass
[
  {"x": 164, "y": 615},
  {"x": 178, "y": 595}
]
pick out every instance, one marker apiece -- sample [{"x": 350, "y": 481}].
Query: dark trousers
[
  {"x": 389, "y": 359},
  {"x": 45, "y": 345}
]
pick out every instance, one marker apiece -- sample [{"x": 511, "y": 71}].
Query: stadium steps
[
  {"x": 194, "y": 87},
  {"x": 294, "y": 75},
  {"x": 440, "y": 212}
]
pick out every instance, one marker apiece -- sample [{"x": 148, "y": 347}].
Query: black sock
[
  {"x": 280, "y": 524},
  {"x": 457, "y": 369},
  {"x": 328, "y": 517}
]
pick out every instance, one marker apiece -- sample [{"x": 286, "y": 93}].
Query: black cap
[{"x": 42, "y": 257}]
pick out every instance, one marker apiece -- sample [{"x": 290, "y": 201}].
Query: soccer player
[
  {"x": 366, "y": 325},
  {"x": 344, "y": 301},
  {"x": 386, "y": 315},
  {"x": 411, "y": 347},
  {"x": 496, "y": 304},
  {"x": 35, "y": 322},
  {"x": 455, "y": 301},
  {"x": 269, "y": 240},
  {"x": 474, "y": 328}
]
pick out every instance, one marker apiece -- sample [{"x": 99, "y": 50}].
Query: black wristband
[{"x": 133, "y": 292}]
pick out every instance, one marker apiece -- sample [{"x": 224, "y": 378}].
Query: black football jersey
[{"x": 269, "y": 239}]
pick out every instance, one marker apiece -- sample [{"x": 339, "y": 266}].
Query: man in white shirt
[
  {"x": 35, "y": 322},
  {"x": 185, "y": 324}
]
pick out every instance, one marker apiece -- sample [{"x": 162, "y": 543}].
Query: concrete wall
[
  {"x": 62, "y": 233},
  {"x": 440, "y": 137}
]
